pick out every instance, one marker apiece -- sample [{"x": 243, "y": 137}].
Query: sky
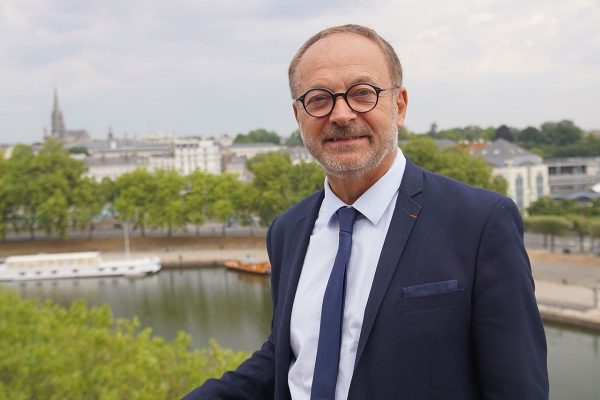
[{"x": 196, "y": 67}]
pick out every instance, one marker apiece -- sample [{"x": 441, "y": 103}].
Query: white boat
[{"x": 73, "y": 265}]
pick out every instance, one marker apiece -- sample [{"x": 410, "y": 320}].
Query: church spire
[{"x": 57, "y": 123}]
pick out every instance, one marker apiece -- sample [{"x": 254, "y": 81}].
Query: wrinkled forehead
[{"x": 342, "y": 55}]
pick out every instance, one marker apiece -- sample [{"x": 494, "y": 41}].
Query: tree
[
  {"x": 548, "y": 225},
  {"x": 530, "y": 136},
  {"x": 581, "y": 227},
  {"x": 432, "y": 129},
  {"x": 88, "y": 201},
  {"x": 548, "y": 206},
  {"x": 561, "y": 133},
  {"x": 223, "y": 196},
  {"x": 295, "y": 139},
  {"x": 167, "y": 208},
  {"x": 271, "y": 179},
  {"x": 134, "y": 197},
  {"x": 78, "y": 150},
  {"x": 53, "y": 215},
  {"x": 504, "y": 132},
  {"x": 403, "y": 133},
  {"x": 258, "y": 136},
  {"x": 452, "y": 162},
  {"x": 279, "y": 184},
  {"x": 51, "y": 177},
  {"x": 52, "y": 352},
  {"x": 196, "y": 197},
  {"x": 594, "y": 231}
]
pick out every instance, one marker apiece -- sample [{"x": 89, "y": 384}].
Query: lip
[{"x": 345, "y": 139}]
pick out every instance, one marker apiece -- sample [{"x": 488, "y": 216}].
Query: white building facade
[{"x": 525, "y": 172}]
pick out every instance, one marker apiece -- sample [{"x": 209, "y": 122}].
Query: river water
[{"x": 235, "y": 309}]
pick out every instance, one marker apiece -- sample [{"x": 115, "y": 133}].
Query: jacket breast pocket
[{"x": 443, "y": 299}]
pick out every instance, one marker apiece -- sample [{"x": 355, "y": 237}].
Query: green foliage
[
  {"x": 561, "y": 133},
  {"x": 452, "y": 162},
  {"x": 295, "y": 139},
  {"x": 88, "y": 200},
  {"x": 281, "y": 184},
  {"x": 504, "y": 132},
  {"x": 51, "y": 352},
  {"x": 403, "y": 134},
  {"x": 166, "y": 208},
  {"x": 78, "y": 150},
  {"x": 549, "y": 225},
  {"x": 135, "y": 197},
  {"x": 38, "y": 190},
  {"x": 594, "y": 230},
  {"x": 531, "y": 136},
  {"x": 581, "y": 226},
  {"x": 548, "y": 206},
  {"x": 258, "y": 136},
  {"x": 469, "y": 133},
  {"x": 551, "y": 140}
]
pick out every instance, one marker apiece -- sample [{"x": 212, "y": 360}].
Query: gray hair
[{"x": 391, "y": 57}]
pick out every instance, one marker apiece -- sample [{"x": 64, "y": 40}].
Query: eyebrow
[{"x": 355, "y": 81}]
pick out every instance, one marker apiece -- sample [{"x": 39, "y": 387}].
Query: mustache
[{"x": 332, "y": 132}]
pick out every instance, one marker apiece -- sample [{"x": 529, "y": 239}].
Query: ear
[
  {"x": 295, "y": 112},
  {"x": 401, "y": 103}
]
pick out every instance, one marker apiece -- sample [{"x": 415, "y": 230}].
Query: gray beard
[{"x": 333, "y": 167}]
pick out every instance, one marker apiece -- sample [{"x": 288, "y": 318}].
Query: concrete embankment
[
  {"x": 174, "y": 252},
  {"x": 567, "y": 288}
]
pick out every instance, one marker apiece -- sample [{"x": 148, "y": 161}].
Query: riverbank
[
  {"x": 566, "y": 284},
  {"x": 174, "y": 252}
]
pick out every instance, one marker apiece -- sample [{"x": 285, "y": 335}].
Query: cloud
[{"x": 212, "y": 67}]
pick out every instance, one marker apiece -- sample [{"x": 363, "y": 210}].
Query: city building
[
  {"x": 193, "y": 154},
  {"x": 574, "y": 175},
  {"x": 525, "y": 172}
]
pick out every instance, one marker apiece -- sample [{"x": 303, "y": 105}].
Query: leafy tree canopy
[
  {"x": 258, "y": 136},
  {"x": 82, "y": 353},
  {"x": 295, "y": 139},
  {"x": 452, "y": 162}
]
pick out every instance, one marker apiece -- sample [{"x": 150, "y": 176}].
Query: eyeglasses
[{"x": 361, "y": 98}]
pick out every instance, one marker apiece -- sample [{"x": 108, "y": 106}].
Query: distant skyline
[{"x": 210, "y": 68}]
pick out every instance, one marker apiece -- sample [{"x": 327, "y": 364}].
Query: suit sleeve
[
  {"x": 508, "y": 334},
  {"x": 253, "y": 379}
]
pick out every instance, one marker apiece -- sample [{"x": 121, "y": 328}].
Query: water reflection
[
  {"x": 235, "y": 309},
  {"x": 573, "y": 363},
  {"x": 232, "y": 307}
]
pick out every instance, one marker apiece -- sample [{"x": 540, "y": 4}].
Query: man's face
[{"x": 347, "y": 143}]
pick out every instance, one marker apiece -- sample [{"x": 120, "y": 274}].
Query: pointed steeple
[{"x": 57, "y": 123}]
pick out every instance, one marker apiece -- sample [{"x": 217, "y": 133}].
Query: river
[{"x": 235, "y": 309}]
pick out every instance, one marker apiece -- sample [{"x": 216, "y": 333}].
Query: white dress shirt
[{"x": 376, "y": 206}]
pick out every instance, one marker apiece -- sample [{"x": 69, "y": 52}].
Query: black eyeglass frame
[{"x": 344, "y": 95}]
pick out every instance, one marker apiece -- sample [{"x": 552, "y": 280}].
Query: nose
[{"x": 341, "y": 114}]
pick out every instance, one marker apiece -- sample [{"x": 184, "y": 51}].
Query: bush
[{"x": 51, "y": 352}]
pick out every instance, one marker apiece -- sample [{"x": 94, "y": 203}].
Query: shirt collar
[{"x": 373, "y": 203}]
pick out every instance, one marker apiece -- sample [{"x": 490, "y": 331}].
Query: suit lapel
[
  {"x": 401, "y": 225},
  {"x": 297, "y": 248}
]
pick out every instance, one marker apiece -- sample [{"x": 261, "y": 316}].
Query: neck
[{"x": 349, "y": 186}]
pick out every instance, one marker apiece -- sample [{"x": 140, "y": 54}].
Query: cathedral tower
[{"x": 57, "y": 123}]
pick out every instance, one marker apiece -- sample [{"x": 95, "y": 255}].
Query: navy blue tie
[{"x": 332, "y": 313}]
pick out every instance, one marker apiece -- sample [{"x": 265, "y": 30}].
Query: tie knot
[{"x": 346, "y": 217}]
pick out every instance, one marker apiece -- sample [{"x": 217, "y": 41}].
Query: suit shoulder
[
  {"x": 462, "y": 194},
  {"x": 298, "y": 211}
]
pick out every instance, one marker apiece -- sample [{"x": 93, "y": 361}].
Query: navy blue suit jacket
[{"x": 451, "y": 313}]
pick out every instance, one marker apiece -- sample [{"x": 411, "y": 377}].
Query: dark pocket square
[
  {"x": 442, "y": 300},
  {"x": 427, "y": 289}
]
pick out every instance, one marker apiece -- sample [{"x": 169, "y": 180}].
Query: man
[{"x": 436, "y": 300}]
